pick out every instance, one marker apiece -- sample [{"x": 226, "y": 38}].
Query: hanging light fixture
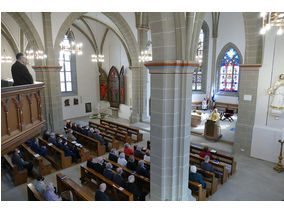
[
  {"x": 73, "y": 48},
  {"x": 146, "y": 55},
  {"x": 38, "y": 54},
  {"x": 5, "y": 58},
  {"x": 272, "y": 19},
  {"x": 98, "y": 58}
]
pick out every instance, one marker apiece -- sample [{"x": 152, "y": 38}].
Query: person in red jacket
[
  {"x": 206, "y": 152},
  {"x": 128, "y": 150}
]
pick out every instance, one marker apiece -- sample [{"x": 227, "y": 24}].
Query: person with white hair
[
  {"x": 138, "y": 152},
  {"x": 141, "y": 170},
  {"x": 206, "y": 165},
  {"x": 100, "y": 193},
  {"x": 108, "y": 173},
  {"x": 112, "y": 156},
  {"x": 132, "y": 187},
  {"x": 70, "y": 135},
  {"x": 117, "y": 178},
  {"x": 49, "y": 193},
  {"x": 121, "y": 160},
  {"x": 147, "y": 156},
  {"x": 98, "y": 167},
  {"x": 196, "y": 177},
  {"x": 127, "y": 149},
  {"x": 95, "y": 134},
  {"x": 52, "y": 138}
]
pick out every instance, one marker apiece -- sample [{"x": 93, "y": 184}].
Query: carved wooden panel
[
  {"x": 122, "y": 85},
  {"x": 113, "y": 87},
  {"x": 103, "y": 80}
]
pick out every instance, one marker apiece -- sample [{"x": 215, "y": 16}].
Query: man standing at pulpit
[{"x": 215, "y": 116}]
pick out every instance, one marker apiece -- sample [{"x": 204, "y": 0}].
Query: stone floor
[{"x": 254, "y": 180}]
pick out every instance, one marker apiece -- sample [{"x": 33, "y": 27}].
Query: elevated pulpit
[{"x": 211, "y": 130}]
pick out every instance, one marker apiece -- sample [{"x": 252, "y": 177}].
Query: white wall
[
  {"x": 57, "y": 19},
  {"x": 130, "y": 19},
  {"x": 267, "y": 130}
]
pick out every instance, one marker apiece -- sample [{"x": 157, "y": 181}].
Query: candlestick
[
  {"x": 279, "y": 167},
  {"x": 283, "y": 134}
]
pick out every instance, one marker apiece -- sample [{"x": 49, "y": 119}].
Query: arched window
[
  {"x": 199, "y": 75},
  {"x": 67, "y": 62},
  {"x": 229, "y": 72}
]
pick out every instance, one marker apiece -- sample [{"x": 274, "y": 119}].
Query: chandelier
[
  {"x": 5, "y": 58},
  {"x": 145, "y": 56},
  {"x": 272, "y": 19},
  {"x": 68, "y": 47},
  {"x": 98, "y": 58},
  {"x": 31, "y": 54}
]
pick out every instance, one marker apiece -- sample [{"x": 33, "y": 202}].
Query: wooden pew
[
  {"x": 142, "y": 182},
  {"x": 90, "y": 143},
  {"x": 111, "y": 139},
  {"x": 146, "y": 163},
  {"x": 19, "y": 177},
  {"x": 201, "y": 195},
  {"x": 220, "y": 168},
  {"x": 55, "y": 155},
  {"x": 130, "y": 130},
  {"x": 113, "y": 190},
  {"x": 65, "y": 183},
  {"x": 210, "y": 180},
  {"x": 33, "y": 194},
  {"x": 40, "y": 164},
  {"x": 84, "y": 153},
  {"x": 227, "y": 159},
  {"x": 119, "y": 135}
]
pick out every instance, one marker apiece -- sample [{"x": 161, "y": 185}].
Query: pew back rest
[{"x": 33, "y": 194}]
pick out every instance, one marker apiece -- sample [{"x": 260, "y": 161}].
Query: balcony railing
[{"x": 21, "y": 112}]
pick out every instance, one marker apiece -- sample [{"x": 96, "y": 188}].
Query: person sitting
[
  {"x": 131, "y": 163},
  {"x": 96, "y": 136},
  {"x": 85, "y": 130},
  {"x": 127, "y": 149},
  {"x": 21, "y": 164},
  {"x": 79, "y": 128},
  {"x": 112, "y": 156},
  {"x": 205, "y": 165},
  {"x": 132, "y": 187},
  {"x": 42, "y": 150},
  {"x": 147, "y": 156},
  {"x": 70, "y": 135},
  {"x": 141, "y": 170},
  {"x": 46, "y": 135},
  {"x": 121, "y": 160},
  {"x": 117, "y": 178},
  {"x": 108, "y": 173},
  {"x": 138, "y": 152},
  {"x": 98, "y": 167},
  {"x": 49, "y": 193},
  {"x": 205, "y": 152},
  {"x": 196, "y": 177},
  {"x": 90, "y": 163},
  {"x": 100, "y": 193},
  {"x": 68, "y": 124},
  {"x": 74, "y": 126},
  {"x": 40, "y": 185},
  {"x": 52, "y": 138},
  {"x": 67, "y": 150}
]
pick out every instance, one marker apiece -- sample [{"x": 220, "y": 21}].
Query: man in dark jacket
[
  {"x": 117, "y": 178},
  {"x": 20, "y": 72},
  {"x": 141, "y": 170},
  {"x": 196, "y": 177},
  {"x": 138, "y": 152},
  {"x": 98, "y": 167},
  {"x": 205, "y": 165},
  {"x": 108, "y": 173},
  {"x": 132, "y": 187},
  {"x": 131, "y": 163},
  {"x": 112, "y": 156},
  {"x": 100, "y": 195},
  {"x": 21, "y": 163}
]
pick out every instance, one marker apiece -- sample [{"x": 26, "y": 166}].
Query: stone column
[
  {"x": 135, "y": 114},
  {"x": 246, "y": 115},
  {"x": 171, "y": 94}
]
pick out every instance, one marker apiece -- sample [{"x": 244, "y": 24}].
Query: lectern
[{"x": 211, "y": 130}]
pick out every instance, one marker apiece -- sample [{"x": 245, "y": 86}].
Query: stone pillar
[
  {"x": 52, "y": 102},
  {"x": 135, "y": 114},
  {"x": 246, "y": 115},
  {"x": 213, "y": 68},
  {"x": 171, "y": 94}
]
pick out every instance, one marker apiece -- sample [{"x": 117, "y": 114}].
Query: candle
[{"x": 282, "y": 135}]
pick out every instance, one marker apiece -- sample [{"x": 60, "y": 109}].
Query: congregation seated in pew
[
  {"x": 100, "y": 193},
  {"x": 108, "y": 173},
  {"x": 70, "y": 135},
  {"x": 117, "y": 178},
  {"x": 147, "y": 156},
  {"x": 98, "y": 167},
  {"x": 127, "y": 149},
  {"x": 112, "y": 155},
  {"x": 34, "y": 145},
  {"x": 96, "y": 135},
  {"x": 206, "y": 165},
  {"x": 196, "y": 177},
  {"x": 138, "y": 152},
  {"x": 141, "y": 170},
  {"x": 40, "y": 185},
  {"x": 131, "y": 163},
  {"x": 206, "y": 151},
  {"x": 49, "y": 194},
  {"x": 21, "y": 164},
  {"x": 68, "y": 151},
  {"x": 121, "y": 160},
  {"x": 132, "y": 187}
]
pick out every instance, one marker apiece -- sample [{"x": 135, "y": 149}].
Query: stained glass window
[
  {"x": 229, "y": 72},
  {"x": 197, "y": 75},
  {"x": 66, "y": 70}
]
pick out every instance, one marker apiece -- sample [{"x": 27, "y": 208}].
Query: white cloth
[
  {"x": 147, "y": 158},
  {"x": 277, "y": 103},
  {"x": 204, "y": 104},
  {"x": 40, "y": 187},
  {"x": 122, "y": 161}
]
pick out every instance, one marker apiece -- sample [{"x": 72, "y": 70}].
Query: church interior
[{"x": 153, "y": 89}]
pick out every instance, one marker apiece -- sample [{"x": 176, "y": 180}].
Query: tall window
[
  {"x": 197, "y": 75},
  {"x": 67, "y": 72},
  {"x": 229, "y": 72}
]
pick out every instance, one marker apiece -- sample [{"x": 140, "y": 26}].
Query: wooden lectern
[{"x": 211, "y": 130}]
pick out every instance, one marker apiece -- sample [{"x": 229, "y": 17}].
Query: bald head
[{"x": 102, "y": 187}]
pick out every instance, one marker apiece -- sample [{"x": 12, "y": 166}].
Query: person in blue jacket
[{"x": 196, "y": 177}]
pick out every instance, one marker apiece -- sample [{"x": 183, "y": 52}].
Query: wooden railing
[{"x": 21, "y": 111}]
